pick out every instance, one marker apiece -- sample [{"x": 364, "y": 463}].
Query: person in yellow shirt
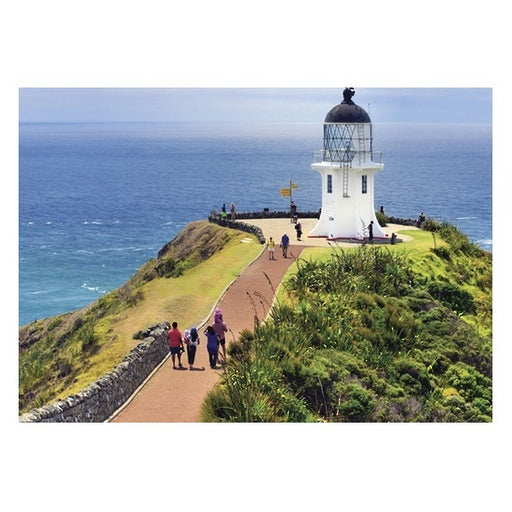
[{"x": 271, "y": 245}]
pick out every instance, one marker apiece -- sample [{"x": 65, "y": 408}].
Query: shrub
[
  {"x": 452, "y": 296},
  {"x": 413, "y": 376},
  {"x": 54, "y": 323},
  {"x": 382, "y": 218},
  {"x": 77, "y": 324},
  {"x": 468, "y": 382},
  {"x": 458, "y": 242},
  {"x": 253, "y": 391},
  {"x": 356, "y": 403},
  {"x": 442, "y": 252},
  {"x": 431, "y": 225},
  {"x": 87, "y": 337}
]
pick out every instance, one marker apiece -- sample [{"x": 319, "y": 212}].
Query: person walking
[
  {"x": 271, "y": 245},
  {"x": 298, "y": 229},
  {"x": 192, "y": 341},
  {"x": 293, "y": 212},
  {"x": 212, "y": 345},
  {"x": 220, "y": 329},
  {"x": 175, "y": 344},
  {"x": 370, "y": 231},
  {"x": 285, "y": 242}
]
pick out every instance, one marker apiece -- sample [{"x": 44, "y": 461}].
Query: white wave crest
[{"x": 96, "y": 289}]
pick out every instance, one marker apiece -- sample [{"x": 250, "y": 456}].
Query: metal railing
[{"x": 342, "y": 157}]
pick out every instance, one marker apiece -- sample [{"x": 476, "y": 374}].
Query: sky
[{"x": 264, "y": 104}]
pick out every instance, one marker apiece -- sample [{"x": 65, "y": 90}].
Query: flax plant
[{"x": 366, "y": 335}]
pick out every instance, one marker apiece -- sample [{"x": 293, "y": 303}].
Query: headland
[{"x": 256, "y": 282}]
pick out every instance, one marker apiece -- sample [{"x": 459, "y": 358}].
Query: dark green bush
[
  {"x": 452, "y": 296},
  {"x": 77, "y": 324},
  {"x": 431, "y": 225},
  {"x": 166, "y": 268},
  {"x": 88, "y": 339},
  {"x": 469, "y": 382},
  {"x": 356, "y": 403},
  {"x": 382, "y": 218},
  {"x": 442, "y": 252}
]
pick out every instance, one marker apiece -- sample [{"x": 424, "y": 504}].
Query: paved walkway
[{"x": 176, "y": 395}]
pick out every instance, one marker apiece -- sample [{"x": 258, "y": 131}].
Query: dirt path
[{"x": 176, "y": 395}]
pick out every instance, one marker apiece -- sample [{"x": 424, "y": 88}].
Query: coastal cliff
[{"x": 62, "y": 355}]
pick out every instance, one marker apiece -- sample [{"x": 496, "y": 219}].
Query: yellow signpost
[{"x": 287, "y": 192}]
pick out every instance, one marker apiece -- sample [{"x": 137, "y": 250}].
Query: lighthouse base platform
[{"x": 275, "y": 228}]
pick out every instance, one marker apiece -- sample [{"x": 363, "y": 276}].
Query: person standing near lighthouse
[
  {"x": 293, "y": 212},
  {"x": 298, "y": 229}
]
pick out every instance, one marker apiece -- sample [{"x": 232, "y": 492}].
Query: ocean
[{"x": 96, "y": 201}]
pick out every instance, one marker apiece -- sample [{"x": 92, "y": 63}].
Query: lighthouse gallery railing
[{"x": 344, "y": 157}]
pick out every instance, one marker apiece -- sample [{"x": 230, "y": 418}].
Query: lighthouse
[{"x": 347, "y": 165}]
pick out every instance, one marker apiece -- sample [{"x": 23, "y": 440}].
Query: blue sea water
[{"x": 98, "y": 200}]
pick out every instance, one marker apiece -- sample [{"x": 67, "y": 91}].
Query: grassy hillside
[
  {"x": 61, "y": 355},
  {"x": 372, "y": 334}
]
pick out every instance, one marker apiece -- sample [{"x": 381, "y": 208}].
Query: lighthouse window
[
  {"x": 329, "y": 183},
  {"x": 364, "y": 184}
]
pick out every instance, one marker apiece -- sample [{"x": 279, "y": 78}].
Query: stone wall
[
  {"x": 249, "y": 228},
  {"x": 278, "y": 214},
  {"x": 98, "y": 401},
  {"x": 241, "y": 226}
]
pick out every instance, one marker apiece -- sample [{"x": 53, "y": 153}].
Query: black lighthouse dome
[{"x": 347, "y": 111}]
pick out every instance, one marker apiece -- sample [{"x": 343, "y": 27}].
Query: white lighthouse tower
[{"x": 347, "y": 166}]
